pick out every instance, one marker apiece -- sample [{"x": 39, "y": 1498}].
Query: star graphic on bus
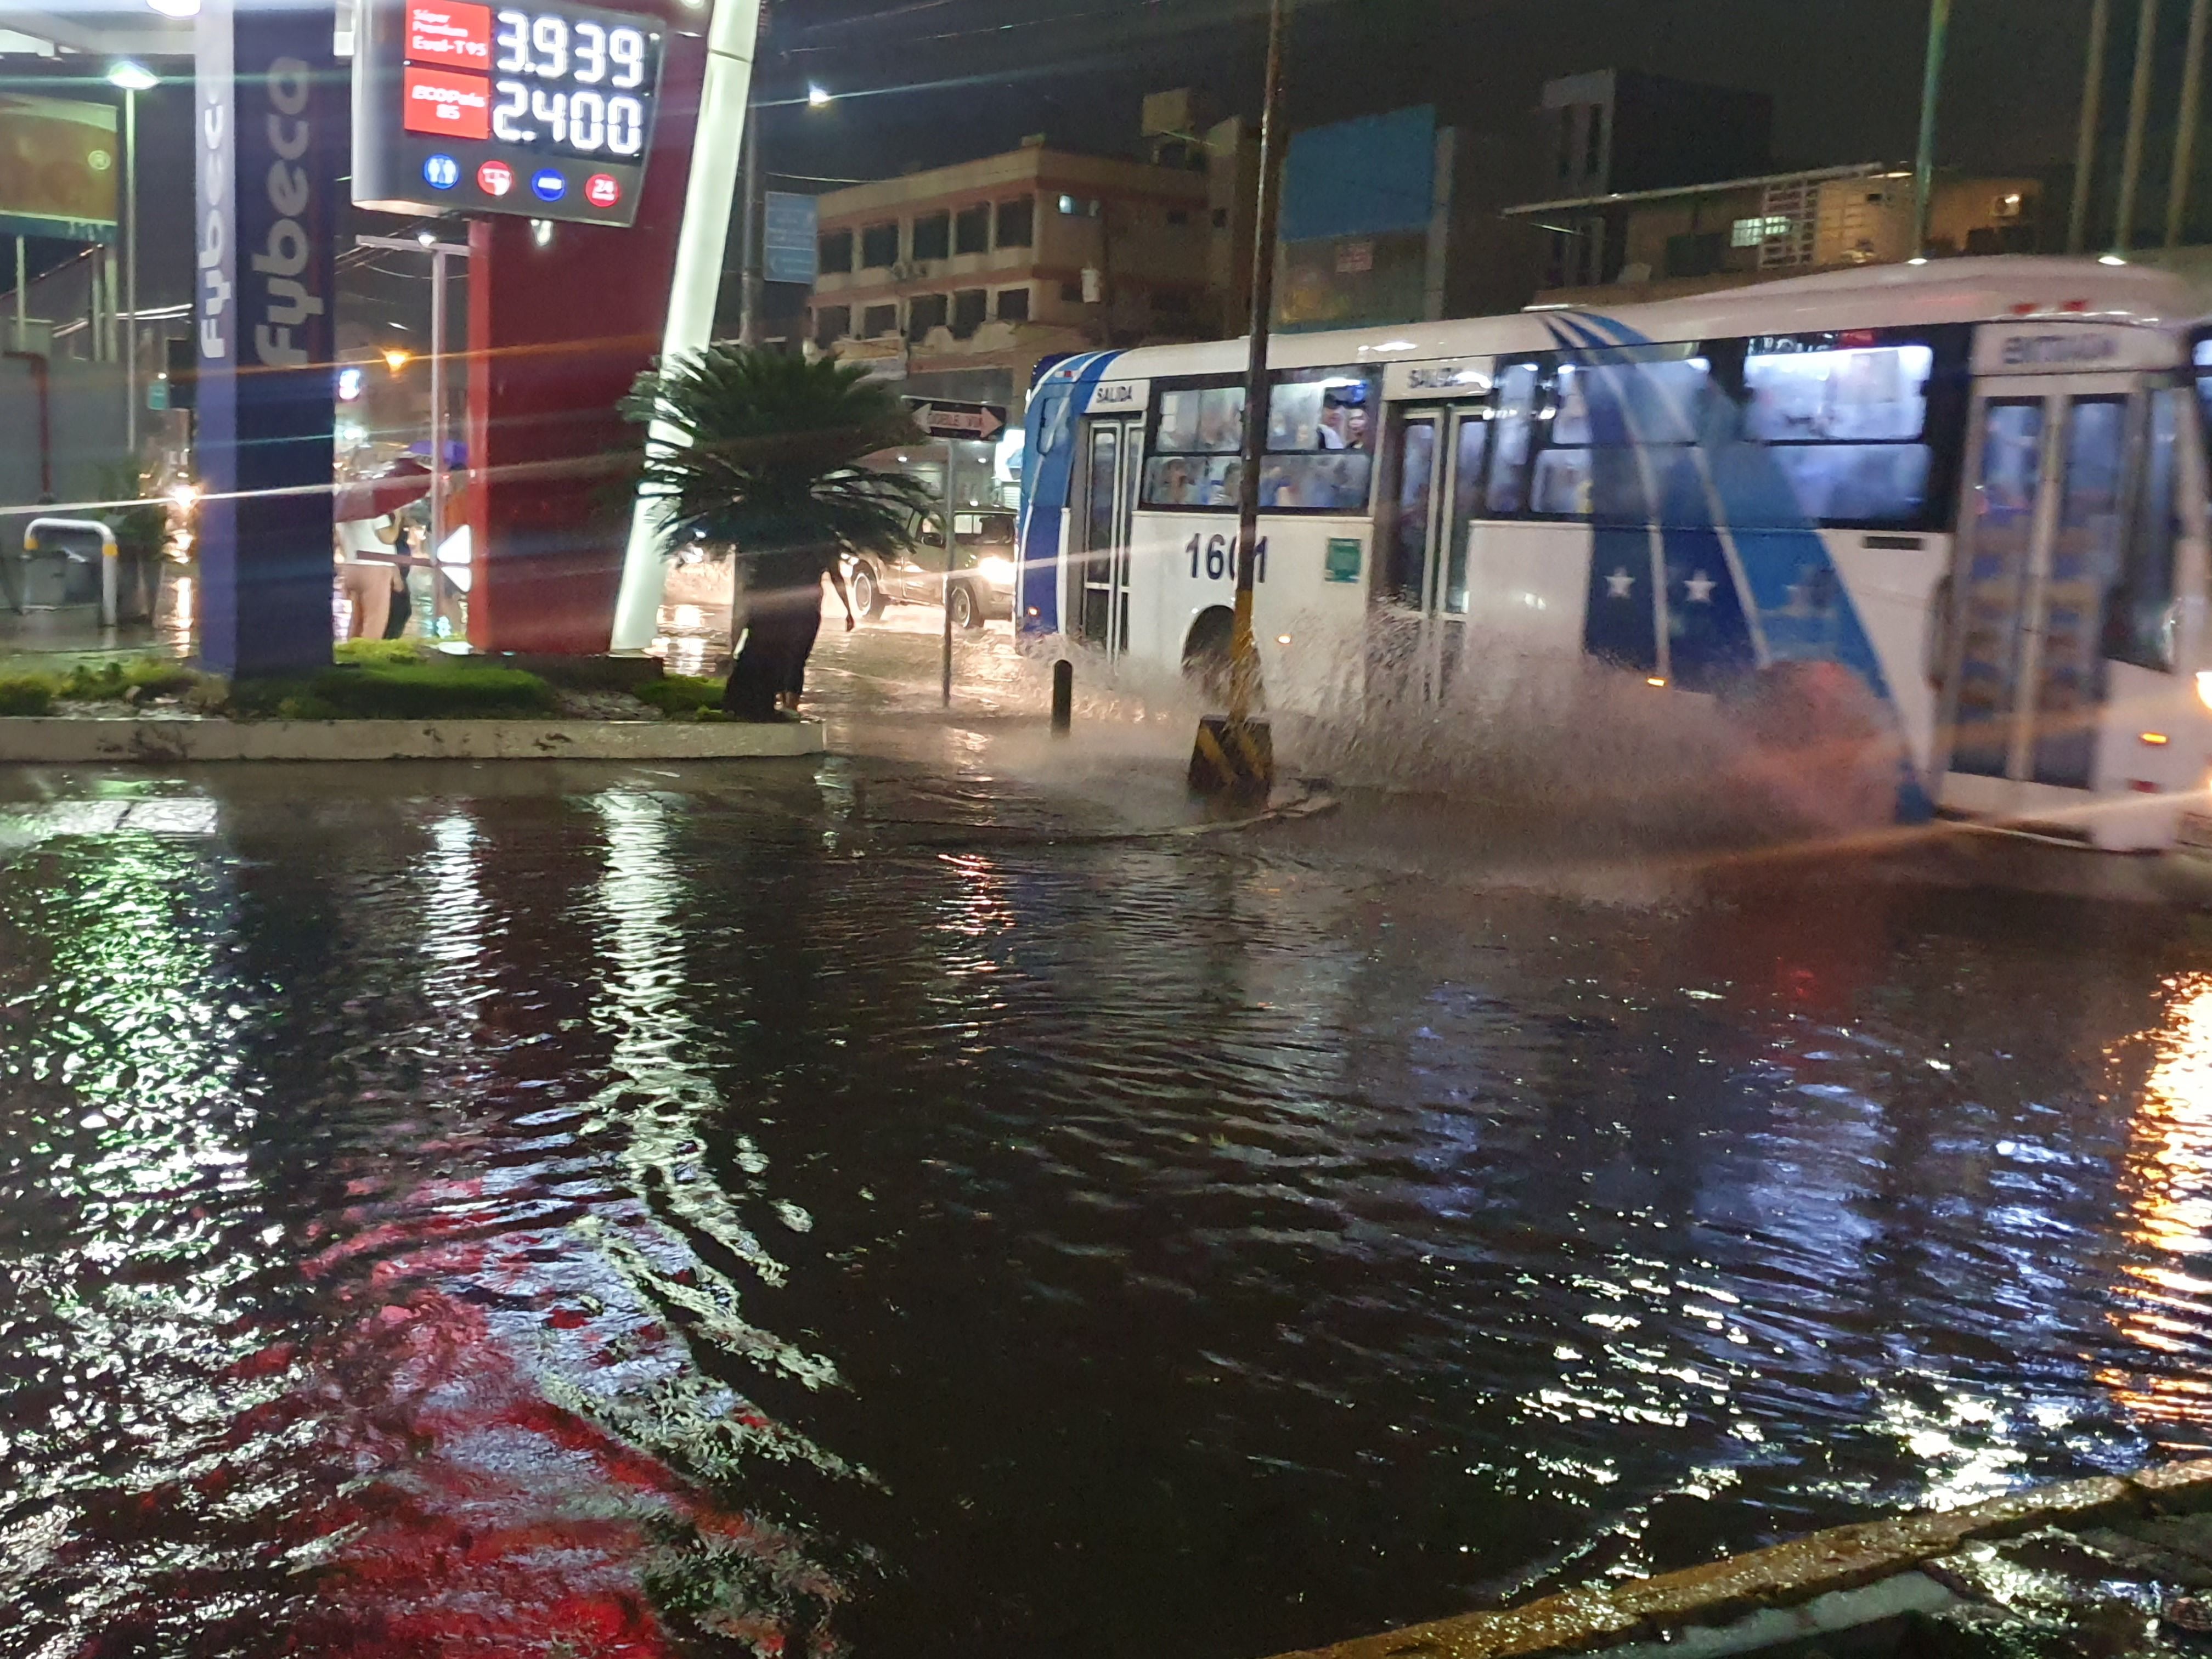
[
  {"x": 1619, "y": 584},
  {"x": 1700, "y": 587}
]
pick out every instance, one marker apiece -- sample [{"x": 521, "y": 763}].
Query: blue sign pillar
[{"x": 271, "y": 138}]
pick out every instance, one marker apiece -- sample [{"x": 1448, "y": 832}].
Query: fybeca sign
[{"x": 269, "y": 135}]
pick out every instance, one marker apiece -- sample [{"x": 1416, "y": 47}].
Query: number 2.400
[{"x": 1218, "y": 555}]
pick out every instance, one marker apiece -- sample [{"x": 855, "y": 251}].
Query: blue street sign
[
  {"x": 441, "y": 173},
  {"x": 272, "y": 145},
  {"x": 788, "y": 247},
  {"x": 549, "y": 186}
]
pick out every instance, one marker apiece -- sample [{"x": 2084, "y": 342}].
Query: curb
[
  {"x": 1842, "y": 1558},
  {"x": 60, "y": 741}
]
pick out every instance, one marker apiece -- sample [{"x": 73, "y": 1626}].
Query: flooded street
[{"x": 871, "y": 1206}]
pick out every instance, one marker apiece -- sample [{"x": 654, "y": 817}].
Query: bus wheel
[{"x": 1206, "y": 655}]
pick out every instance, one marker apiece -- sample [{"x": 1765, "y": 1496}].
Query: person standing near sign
[{"x": 368, "y": 573}]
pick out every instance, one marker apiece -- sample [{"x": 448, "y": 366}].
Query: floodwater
[{"x": 811, "y": 1209}]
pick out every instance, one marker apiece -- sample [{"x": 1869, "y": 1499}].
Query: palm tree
[{"x": 755, "y": 453}]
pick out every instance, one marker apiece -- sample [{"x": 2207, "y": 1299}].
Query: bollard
[{"x": 1063, "y": 695}]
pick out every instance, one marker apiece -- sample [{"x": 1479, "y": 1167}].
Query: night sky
[{"x": 1844, "y": 74}]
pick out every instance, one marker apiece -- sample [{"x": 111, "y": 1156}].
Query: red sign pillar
[{"x": 560, "y": 325}]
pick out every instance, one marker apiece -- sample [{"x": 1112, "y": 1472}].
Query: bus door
[
  {"x": 1441, "y": 453},
  {"x": 2062, "y": 589},
  {"x": 1113, "y": 451}
]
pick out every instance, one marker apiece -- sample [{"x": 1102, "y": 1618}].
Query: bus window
[
  {"x": 2139, "y": 614},
  {"x": 1515, "y": 437},
  {"x": 1321, "y": 445},
  {"x": 1846, "y": 417}
]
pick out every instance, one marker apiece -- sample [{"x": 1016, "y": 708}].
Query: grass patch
[
  {"x": 681, "y": 697},
  {"x": 360, "y": 653},
  {"x": 25, "y": 694},
  {"x": 133, "y": 681},
  {"x": 416, "y": 688}
]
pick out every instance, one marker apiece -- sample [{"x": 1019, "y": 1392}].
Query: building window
[
  {"x": 877, "y": 321},
  {"x": 1078, "y": 207},
  {"x": 1018, "y": 221},
  {"x": 971, "y": 229},
  {"x": 1221, "y": 218},
  {"x": 969, "y": 308},
  {"x": 1071, "y": 294},
  {"x": 837, "y": 251},
  {"x": 1772, "y": 228},
  {"x": 933, "y": 236},
  {"x": 832, "y": 324},
  {"x": 923, "y": 313},
  {"x": 1593, "y": 144},
  {"x": 879, "y": 247},
  {"x": 1013, "y": 305},
  {"x": 1178, "y": 216}
]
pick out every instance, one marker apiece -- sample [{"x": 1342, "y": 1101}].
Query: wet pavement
[{"x": 902, "y": 1204}]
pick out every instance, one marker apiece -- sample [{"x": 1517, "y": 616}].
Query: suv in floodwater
[{"x": 982, "y": 585}]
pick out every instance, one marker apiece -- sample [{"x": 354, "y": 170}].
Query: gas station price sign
[{"x": 542, "y": 111}]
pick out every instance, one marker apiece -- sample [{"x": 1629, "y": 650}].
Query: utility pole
[
  {"x": 2124, "y": 228},
  {"x": 1931, "y": 87},
  {"x": 2085, "y": 146},
  {"x": 2185, "y": 136},
  {"x": 1236, "y": 755},
  {"x": 751, "y": 230}
]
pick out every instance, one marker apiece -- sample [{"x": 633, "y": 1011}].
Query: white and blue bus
[{"x": 1978, "y": 487}]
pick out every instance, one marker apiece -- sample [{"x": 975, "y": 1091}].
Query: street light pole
[
  {"x": 1244, "y": 654},
  {"x": 1234, "y": 754},
  {"x": 2124, "y": 230},
  {"x": 1931, "y": 86},
  {"x": 749, "y": 236},
  {"x": 2185, "y": 136},
  {"x": 131, "y": 280},
  {"x": 2084, "y": 145},
  {"x": 130, "y": 79}
]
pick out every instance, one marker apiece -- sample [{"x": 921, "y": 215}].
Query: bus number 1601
[{"x": 1218, "y": 554}]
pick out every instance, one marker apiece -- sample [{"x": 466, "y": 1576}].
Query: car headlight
[{"x": 998, "y": 572}]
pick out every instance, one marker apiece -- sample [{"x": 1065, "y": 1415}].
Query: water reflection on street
[{"x": 612, "y": 1212}]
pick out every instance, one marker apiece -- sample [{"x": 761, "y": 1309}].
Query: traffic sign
[{"x": 943, "y": 420}]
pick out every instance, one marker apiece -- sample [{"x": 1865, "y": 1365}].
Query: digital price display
[{"x": 543, "y": 111}]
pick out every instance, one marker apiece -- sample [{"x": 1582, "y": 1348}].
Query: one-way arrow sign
[{"x": 943, "y": 420}]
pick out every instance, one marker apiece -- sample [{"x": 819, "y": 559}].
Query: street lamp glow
[
  {"x": 2110, "y": 259},
  {"x": 133, "y": 78},
  {"x": 175, "y": 8},
  {"x": 817, "y": 96},
  {"x": 428, "y": 238},
  {"x": 395, "y": 359}
]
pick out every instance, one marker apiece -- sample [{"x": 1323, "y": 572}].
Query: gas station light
[
  {"x": 133, "y": 78},
  {"x": 817, "y": 96},
  {"x": 175, "y": 8}
]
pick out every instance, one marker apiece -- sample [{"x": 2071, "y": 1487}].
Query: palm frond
[{"x": 759, "y": 452}]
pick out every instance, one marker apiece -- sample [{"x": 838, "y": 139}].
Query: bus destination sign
[{"x": 542, "y": 111}]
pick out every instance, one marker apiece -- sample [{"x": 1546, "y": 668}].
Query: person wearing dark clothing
[{"x": 783, "y": 615}]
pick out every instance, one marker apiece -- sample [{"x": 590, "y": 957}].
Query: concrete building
[
  {"x": 1658, "y": 244},
  {"x": 959, "y": 280}
]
